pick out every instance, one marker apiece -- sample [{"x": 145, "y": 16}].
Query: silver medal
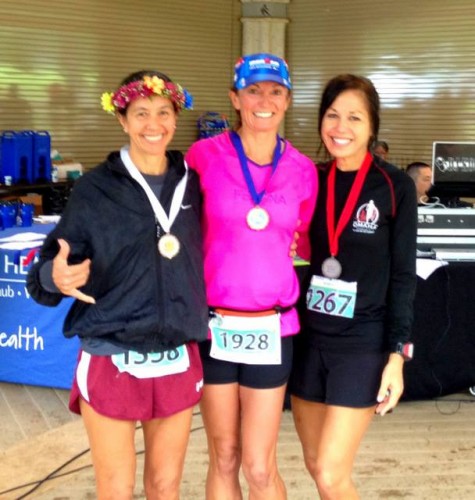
[
  {"x": 168, "y": 246},
  {"x": 331, "y": 268},
  {"x": 257, "y": 218}
]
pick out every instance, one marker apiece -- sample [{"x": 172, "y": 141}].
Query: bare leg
[
  {"x": 166, "y": 440},
  {"x": 113, "y": 453},
  {"x": 330, "y": 437},
  {"x": 221, "y": 416},
  {"x": 261, "y": 416}
]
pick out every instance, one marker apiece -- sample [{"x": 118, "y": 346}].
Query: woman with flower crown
[
  {"x": 130, "y": 239},
  {"x": 256, "y": 189}
]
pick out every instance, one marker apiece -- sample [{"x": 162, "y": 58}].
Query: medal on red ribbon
[{"x": 331, "y": 266}]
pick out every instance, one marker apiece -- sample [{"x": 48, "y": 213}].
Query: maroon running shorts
[{"x": 122, "y": 396}]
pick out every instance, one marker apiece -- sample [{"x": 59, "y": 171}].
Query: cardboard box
[{"x": 64, "y": 168}]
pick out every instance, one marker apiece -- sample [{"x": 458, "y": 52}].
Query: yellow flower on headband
[
  {"x": 155, "y": 84},
  {"x": 149, "y": 86},
  {"x": 106, "y": 101}
]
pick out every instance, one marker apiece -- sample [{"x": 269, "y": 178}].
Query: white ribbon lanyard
[{"x": 165, "y": 221}]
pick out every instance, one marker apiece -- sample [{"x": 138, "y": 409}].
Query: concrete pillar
[
  {"x": 263, "y": 29},
  {"x": 264, "y": 26}
]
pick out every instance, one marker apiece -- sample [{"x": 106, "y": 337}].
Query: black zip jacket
[
  {"x": 376, "y": 250},
  {"x": 144, "y": 301}
]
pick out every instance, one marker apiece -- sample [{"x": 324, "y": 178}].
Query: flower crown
[{"x": 149, "y": 86}]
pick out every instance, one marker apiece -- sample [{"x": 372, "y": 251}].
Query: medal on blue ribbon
[{"x": 257, "y": 218}]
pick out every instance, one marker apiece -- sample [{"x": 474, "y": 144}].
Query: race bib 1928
[{"x": 250, "y": 340}]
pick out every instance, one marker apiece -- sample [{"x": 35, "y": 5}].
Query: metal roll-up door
[
  {"x": 59, "y": 56},
  {"x": 420, "y": 56}
]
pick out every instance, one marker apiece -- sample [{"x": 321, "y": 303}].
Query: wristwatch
[{"x": 405, "y": 350}]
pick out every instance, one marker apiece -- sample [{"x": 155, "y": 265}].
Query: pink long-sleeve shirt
[{"x": 245, "y": 269}]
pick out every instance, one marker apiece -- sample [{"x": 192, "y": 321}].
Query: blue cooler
[
  {"x": 17, "y": 156},
  {"x": 212, "y": 123},
  {"x": 41, "y": 156}
]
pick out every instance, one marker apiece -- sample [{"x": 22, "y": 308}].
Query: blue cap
[{"x": 261, "y": 67}]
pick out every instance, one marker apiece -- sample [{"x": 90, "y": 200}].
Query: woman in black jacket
[
  {"x": 348, "y": 359},
  {"x": 130, "y": 239}
]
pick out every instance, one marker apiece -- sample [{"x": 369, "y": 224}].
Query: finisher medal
[
  {"x": 168, "y": 246},
  {"x": 257, "y": 218},
  {"x": 331, "y": 268}
]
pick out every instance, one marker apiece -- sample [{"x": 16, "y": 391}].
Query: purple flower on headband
[{"x": 128, "y": 93}]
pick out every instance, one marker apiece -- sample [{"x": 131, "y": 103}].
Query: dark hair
[
  {"x": 342, "y": 83},
  {"x": 237, "y": 124},
  {"x": 417, "y": 164},
  {"x": 139, "y": 75},
  {"x": 413, "y": 169},
  {"x": 383, "y": 144}
]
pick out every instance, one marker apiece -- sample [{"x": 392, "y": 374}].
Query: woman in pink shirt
[{"x": 258, "y": 190}]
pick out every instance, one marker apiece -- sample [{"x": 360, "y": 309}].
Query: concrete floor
[{"x": 424, "y": 450}]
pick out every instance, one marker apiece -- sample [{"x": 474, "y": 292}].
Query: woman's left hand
[
  {"x": 392, "y": 384},
  {"x": 294, "y": 244}
]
